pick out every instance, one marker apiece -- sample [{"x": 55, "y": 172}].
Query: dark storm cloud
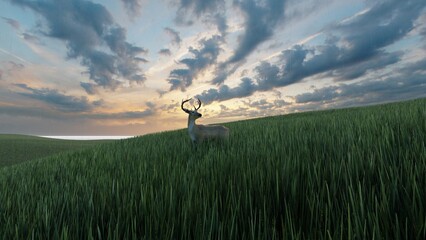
[
  {"x": 56, "y": 99},
  {"x": 1, "y": 74},
  {"x": 86, "y": 28},
  {"x": 165, "y": 52},
  {"x": 261, "y": 19},
  {"x": 203, "y": 58},
  {"x": 133, "y": 7},
  {"x": 12, "y": 22},
  {"x": 174, "y": 35},
  {"x": 346, "y": 54}
]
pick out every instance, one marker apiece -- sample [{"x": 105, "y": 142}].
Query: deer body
[{"x": 199, "y": 133}]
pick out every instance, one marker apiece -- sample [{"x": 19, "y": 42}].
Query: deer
[{"x": 199, "y": 133}]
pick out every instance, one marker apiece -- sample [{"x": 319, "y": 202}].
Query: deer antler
[
  {"x": 183, "y": 102},
  {"x": 199, "y": 104}
]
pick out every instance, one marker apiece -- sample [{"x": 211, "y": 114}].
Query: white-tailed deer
[{"x": 199, "y": 133}]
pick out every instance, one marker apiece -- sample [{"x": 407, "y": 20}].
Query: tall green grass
[{"x": 341, "y": 174}]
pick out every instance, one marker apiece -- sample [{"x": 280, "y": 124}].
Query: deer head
[{"x": 192, "y": 113}]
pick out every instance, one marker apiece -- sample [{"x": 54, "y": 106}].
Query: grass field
[
  {"x": 355, "y": 173},
  {"x": 20, "y": 148}
]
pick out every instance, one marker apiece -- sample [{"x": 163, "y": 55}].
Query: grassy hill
[
  {"x": 19, "y": 148},
  {"x": 341, "y": 174}
]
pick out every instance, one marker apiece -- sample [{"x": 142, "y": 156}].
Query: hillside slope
[
  {"x": 350, "y": 173},
  {"x": 20, "y": 148}
]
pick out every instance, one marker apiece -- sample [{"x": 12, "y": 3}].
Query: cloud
[
  {"x": 203, "y": 58},
  {"x": 43, "y": 113},
  {"x": 264, "y": 104},
  {"x": 31, "y": 38},
  {"x": 15, "y": 66},
  {"x": 409, "y": 82},
  {"x": 319, "y": 95},
  {"x": 260, "y": 21},
  {"x": 90, "y": 88},
  {"x": 56, "y": 99},
  {"x": 357, "y": 70},
  {"x": 174, "y": 35},
  {"x": 8, "y": 68},
  {"x": 244, "y": 89},
  {"x": 393, "y": 20},
  {"x": 16, "y": 111},
  {"x": 211, "y": 12},
  {"x": 279, "y": 103},
  {"x": 223, "y": 70},
  {"x": 121, "y": 115},
  {"x": 220, "y": 21},
  {"x": 260, "y": 104},
  {"x": 133, "y": 7},
  {"x": 92, "y": 36},
  {"x": 346, "y": 54},
  {"x": 261, "y": 107},
  {"x": 165, "y": 52},
  {"x": 125, "y": 115},
  {"x": 17, "y": 26},
  {"x": 197, "y": 8},
  {"x": 12, "y": 22}
]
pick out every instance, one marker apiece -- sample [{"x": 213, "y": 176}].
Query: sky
[{"x": 123, "y": 67}]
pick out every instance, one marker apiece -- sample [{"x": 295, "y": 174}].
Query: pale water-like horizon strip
[{"x": 88, "y": 137}]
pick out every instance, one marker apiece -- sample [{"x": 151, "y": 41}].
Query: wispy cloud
[
  {"x": 165, "y": 52},
  {"x": 12, "y": 22},
  {"x": 14, "y": 56},
  {"x": 73, "y": 113},
  {"x": 175, "y": 36},
  {"x": 57, "y": 100},
  {"x": 133, "y": 7}
]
